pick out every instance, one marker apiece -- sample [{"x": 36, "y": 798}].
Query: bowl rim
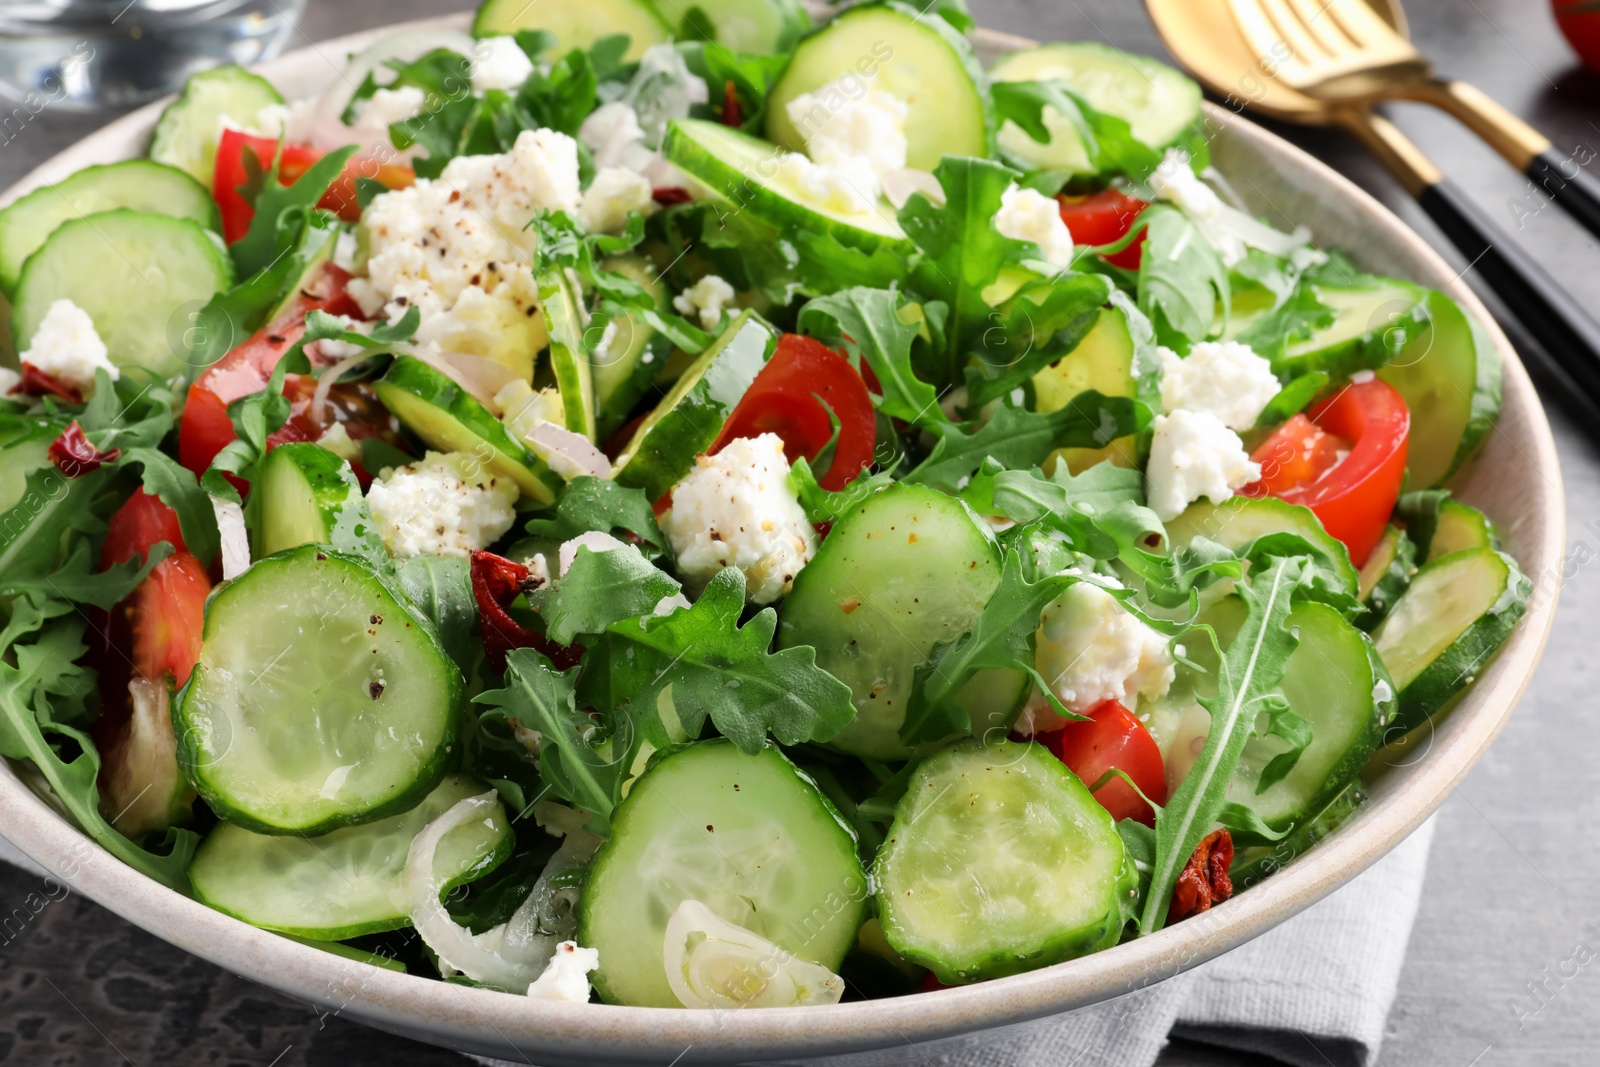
[{"x": 496, "y": 1023}]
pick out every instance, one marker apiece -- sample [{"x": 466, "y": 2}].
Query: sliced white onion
[
  {"x": 235, "y": 541},
  {"x": 330, "y": 378},
  {"x": 568, "y": 454},
  {"x": 728, "y": 966},
  {"x": 481, "y": 377},
  {"x": 329, "y": 131}
]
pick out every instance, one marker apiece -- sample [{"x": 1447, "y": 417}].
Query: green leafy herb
[
  {"x": 1109, "y": 145},
  {"x": 441, "y": 588},
  {"x": 601, "y": 504},
  {"x": 1181, "y": 278},
  {"x": 177, "y": 487},
  {"x": 869, "y": 322},
  {"x": 1044, "y": 321},
  {"x": 281, "y": 210},
  {"x": 255, "y": 418},
  {"x": 600, "y": 588},
  {"x": 1293, "y": 398},
  {"x": 1295, "y": 319},
  {"x": 822, "y": 505}
]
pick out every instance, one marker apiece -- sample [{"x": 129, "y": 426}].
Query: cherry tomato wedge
[
  {"x": 235, "y": 168},
  {"x": 1112, "y": 739},
  {"x": 161, "y": 620},
  {"x": 1355, "y": 496},
  {"x": 1103, "y": 218},
  {"x": 1297, "y": 454},
  {"x": 784, "y": 399}
]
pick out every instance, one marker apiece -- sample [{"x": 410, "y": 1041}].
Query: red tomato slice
[
  {"x": 1298, "y": 454},
  {"x": 1353, "y": 497},
  {"x": 1103, "y": 218},
  {"x": 142, "y": 522},
  {"x": 234, "y": 169},
  {"x": 1113, "y": 739},
  {"x": 161, "y": 621},
  {"x": 783, "y": 400}
]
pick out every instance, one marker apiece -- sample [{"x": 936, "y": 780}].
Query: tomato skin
[
  {"x": 1355, "y": 497},
  {"x": 233, "y": 170},
  {"x": 161, "y": 621},
  {"x": 1297, "y": 454},
  {"x": 1102, "y": 218},
  {"x": 1579, "y": 21},
  {"x": 783, "y": 400},
  {"x": 1112, "y": 739},
  {"x": 142, "y": 522}
]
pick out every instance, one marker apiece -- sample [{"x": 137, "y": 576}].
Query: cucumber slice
[
  {"x": 569, "y": 360},
  {"x": 759, "y": 26},
  {"x": 346, "y": 883},
  {"x": 1457, "y": 613},
  {"x": 307, "y": 495},
  {"x": 1374, "y": 320},
  {"x": 1440, "y": 526},
  {"x": 187, "y": 132},
  {"x": 750, "y": 837},
  {"x": 26, "y": 449},
  {"x": 576, "y": 25},
  {"x": 448, "y": 419},
  {"x": 1242, "y": 519},
  {"x": 1386, "y": 574},
  {"x": 915, "y": 55},
  {"x": 1000, "y": 861},
  {"x": 742, "y": 169},
  {"x": 689, "y": 419},
  {"x": 906, "y": 571},
  {"x": 135, "y": 274},
  {"x": 1254, "y": 863},
  {"x": 624, "y": 372},
  {"x": 137, "y": 184},
  {"x": 320, "y": 700},
  {"x": 1160, "y": 105},
  {"x": 1450, "y": 377},
  {"x": 1106, "y": 360},
  {"x": 1336, "y": 682}
]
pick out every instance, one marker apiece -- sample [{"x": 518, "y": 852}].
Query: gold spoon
[{"x": 1206, "y": 39}]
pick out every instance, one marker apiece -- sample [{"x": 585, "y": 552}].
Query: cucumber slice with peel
[
  {"x": 1440, "y": 526},
  {"x": 306, "y": 495},
  {"x": 137, "y": 275},
  {"x": 906, "y": 571},
  {"x": 576, "y": 25},
  {"x": 763, "y": 27},
  {"x": 1386, "y": 574},
  {"x": 748, "y": 836},
  {"x": 689, "y": 419},
  {"x": 449, "y": 419},
  {"x": 625, "y": 367},
  {"x": 346, "y": 883},
  {"x": 1107, "y": 360},
  {"x": 1445, "y": 628},
  {"x": 1374, "y": 319},
  {"x": 136, "y": 184},
  {"x": 1000, "y": 861},
  {"x": 1243, "y": 519},
  {"x": 26, "y": 450},
  {"x": 187, "y": 132},
  {"x": 913, "y": 54},
  {"x": 1253, "y": 863},
  {"x": 569, "y": 357},
  {"x": 320, "y": 700}
]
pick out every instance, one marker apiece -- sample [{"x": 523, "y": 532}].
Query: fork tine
[
  {"x": 1369, "y": 32},
  {"x": 1292, "y": 30},
  {"x": 1328, "y": 33},
  {"x": 1272, "y": 50}
]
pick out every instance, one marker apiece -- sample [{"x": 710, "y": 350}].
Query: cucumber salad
[{"x": 719, "y": 511}]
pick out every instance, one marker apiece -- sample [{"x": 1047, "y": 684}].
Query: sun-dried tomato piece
[
  {"x": 1204, "y": 880},
  {"x": 74, "y": 456},
  {"x": 496, "y": 582},
  {"x": 732, "y": 110},
  {"x": 671, "y": 194},
  {"x": 36, "y": 382}
]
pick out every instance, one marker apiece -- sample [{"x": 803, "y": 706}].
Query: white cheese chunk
[
  {"x": 1224, "y": 378},
  {"x": 444, "y": 505},
  {"x": 615, "y": 193},
  {"x": 386, "y": 107},
  {"x": 704, "y": 300},
  {"x": 1029, "y": 215},
  {"x": 1193, "y": 455},
  {"x": 566, "y": 976},
  {"x": 499, "y": 63},
  {"x": 66, "y": 347}
]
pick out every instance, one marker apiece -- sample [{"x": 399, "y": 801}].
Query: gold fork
[{"x": 1341, "y": 52}]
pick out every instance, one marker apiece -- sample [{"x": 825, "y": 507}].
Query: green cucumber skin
[
  {"x": 989, "y": 962},
  {"x": 1369, "y": 350},
  {"x": 347, "y": 522},
  {"x": 569, "y": 358},
  {"x": 428, "y": 776},
  {"x": 1272, "y": 515},
  {"x": 491, "y": 21},
  {"x": 1254, "y": 864},
  {"x": 1457, "y": 667},
  {"x": 1440, "y": 527},
  {"x": 415, "y": 392},
  {"x": 1392, "y": 582},
  {"x": 108, "y": 186},
  {"x": 788, "y": 21},
  {"x": 173, "y": 141},
  {"x": 690, "y": 418},
  {"x": 1487, "y": 395},
  {"x": 626, "y": 376}
]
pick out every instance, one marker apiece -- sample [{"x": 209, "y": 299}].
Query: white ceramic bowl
[{"x": 1515, "y": 480}]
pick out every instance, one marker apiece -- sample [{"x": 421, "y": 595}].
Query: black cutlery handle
[
  {"x": 1547, "y": 311},
  {"x": 1564, "y": 180}
]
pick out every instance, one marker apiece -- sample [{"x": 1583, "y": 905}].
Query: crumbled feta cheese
[
  {"x": 1193, "y": 455},
  {"x": 615, "y": 193},
  {"x": 346, "y": 251},
  {"x": 736, "y": 509},
  {"x": 1091, "y": 649},
  {"x": 852, "y": 119},
  {"x": 1224, "y": 378},
  {"x": 538, "y": 569},
  {"x": 1029, "y": 215},
  {"x": 444, "y": 505},
  {"x": 458, "y": 248},
  {"x": 9, "y": 380},
  {"x": 332, "y": 349},
  {"x": 566, "y": 977},
  {"x": 386, "y": 107},
  {"x": 705, "y": 300},
  {"x": 848, "y": 188},
  {"x": 1230, "y": 231},
  {"x": 293, "y": 122},
  {"x": 1174, "y": 181},
  {"x": 610, "y": 131},
  {"x": 498, "y": 63},
  {"x": 337, "y": 439},
  {"x": 66, "y": 347}
]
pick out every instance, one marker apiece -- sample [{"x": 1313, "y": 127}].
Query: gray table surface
[{"x": 1497, "y": 971}]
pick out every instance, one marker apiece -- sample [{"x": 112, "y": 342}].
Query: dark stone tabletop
[{"x": 1494, "y": 974}]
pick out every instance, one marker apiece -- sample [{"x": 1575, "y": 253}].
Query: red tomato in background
[
  {"x": 783, "y": 400},
  {"x": 1353, "y": 497},
  {"x": 1112, "y": 739},
  {"x": 234, "y": 169},
  {"x": 1580, "y": 24},
  {"x": 1103, "y": 218}
]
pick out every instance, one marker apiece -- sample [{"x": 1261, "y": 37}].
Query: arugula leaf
[
  {"x": 38, "y": 674},
  {"x": 1247, "y": 674},
  {"x": 822, "y": 505},
  {"x": 177, "y": 487},
  {"x": 714, "y": 667},
  {"x": 559, "y": 97},
  {"x": 441, "y": 588},
  {"x": 1044, "y": 321},
  {"x": 962, "y": 252},
  {"x": 282, "y": 209},
  {"x": 255, "y": 418},
  {"x": 1109, "y": 145},
  {"x": 51, "y": 510},
  {"x": 78, "y": 581},
  {"x": 753, "y": 76},
  {"x": 1181, "y": 278},
  {"x": 599, "y": 589},
  {"x": 1294, "y": 319},
  {"x": 1016, "y": 438},
  {"x": 1293, "y": 399},
  {"x": 231, "y": 316},
  {"x": 869, "y": 323},
  {"x": 601, "y": 504}
]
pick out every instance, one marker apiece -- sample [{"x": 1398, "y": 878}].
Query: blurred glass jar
[{"x": 85, "y": 54}]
